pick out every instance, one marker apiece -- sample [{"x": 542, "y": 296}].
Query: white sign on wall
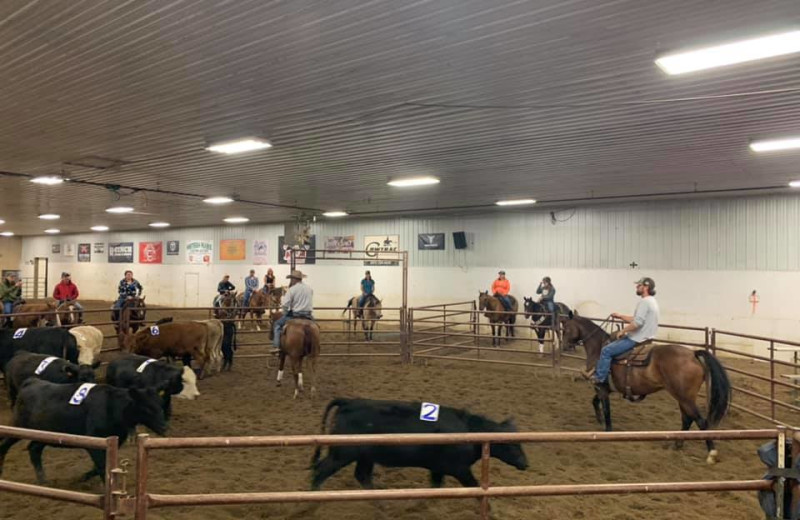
[
  {"x": 374, "y": 245},
  {"x": 199, "y": 251}
]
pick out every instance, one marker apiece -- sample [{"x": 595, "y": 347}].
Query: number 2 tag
[
  {"x": 81, "y": 393},
  {"x": 19, "y": 333},
  {"x": 429, "y": 412},
  {"x": 154, "y": 330}
]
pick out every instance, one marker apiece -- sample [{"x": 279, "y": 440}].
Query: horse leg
[
  {"x": 540, "y": 334},
  {"x": 598, "y": 414},
  {"x": 689, "y": 414},
  {"x": 297, "y": 369},
  {"x": 606, "y": 401},
  {"x": 312, "y": 367},
  {"x": 281, "y": 364}
]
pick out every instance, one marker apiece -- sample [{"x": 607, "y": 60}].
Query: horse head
[
  {"x": 572, "y": 332},
  {"x": 376, "y": 309},
  {"x": 528, "y": 305},
  {"x": 483, "y": 300}
]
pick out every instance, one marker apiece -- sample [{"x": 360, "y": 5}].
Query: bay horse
[
  {"x": 42, "y": 313},
  {"x": 300, "y": 338},
  {"x": 68, "y": 314},
  {"x": 498, "y": 316},
  {"x": 678, "y": 369},
  {"x": 259, "y": 301},
  {"x": 369, "y": 314},
  {"x": 542, "y": 320},
  {"x": 131, "y": 316},
  {"x": 226, "y": 309}
]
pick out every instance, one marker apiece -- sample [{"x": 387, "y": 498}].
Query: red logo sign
[{"x": 150, "y": 252}]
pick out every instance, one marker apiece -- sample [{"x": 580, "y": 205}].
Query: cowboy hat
[{"x": 296, "y": 274}]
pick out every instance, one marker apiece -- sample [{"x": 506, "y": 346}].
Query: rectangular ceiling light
[
  {"x": 248, "y": 144},
  {"x": 731, "y": 53},
  {"x": 775, "y": 145},
  {"x": 409, "y": 182},
  {"x": 515, "y": 202}
]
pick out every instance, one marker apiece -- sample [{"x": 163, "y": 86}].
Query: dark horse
[
  {"x": 130, "y": 316},
  {"x": 542, "y": 320},
  {"x": 369, "y": 314},
  {"x": 498, "y": 316},
  {"x": 678, "y": 369}
]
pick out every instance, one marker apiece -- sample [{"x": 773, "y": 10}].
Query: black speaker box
[{"x": 460, "y": 240}]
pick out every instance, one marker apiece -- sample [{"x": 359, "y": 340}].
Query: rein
[{"x": 599, "y": 328}]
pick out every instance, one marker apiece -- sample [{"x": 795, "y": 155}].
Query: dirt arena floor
[{"x": 247, "y": 402}]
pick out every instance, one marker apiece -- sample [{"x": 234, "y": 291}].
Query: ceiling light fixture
[
  {"x": 7, "y": 234},
  {"x": 774, "y": 145},
  {"x": 248, "y": 144},
  {"x": 52, "y": 231},
  {"x": 409, "y": 182},
  {"x": 218, "y": 200},
  {"x": 237, "y": 220},
  {"x": 731, "y": 53},
  {"x": 49, "y": 180},
  {"x": 159, "y": 224},
  {"x": 794, "y": 184},
  {"x": 2, "y": 222},
  {"x": 515, "y": 202},
  {"x": 119, "y": 209},
  {"x": 334, "y": 214},
  {"x": 49, "y": 216},
  {"x": 99, "y": 228}
]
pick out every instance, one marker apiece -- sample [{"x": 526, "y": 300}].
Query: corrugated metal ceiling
[{"x": 550, "y": 99}]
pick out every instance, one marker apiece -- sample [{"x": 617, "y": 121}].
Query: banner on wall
[
  {"x": 84, "y": 252},
  {"x": 344, "y": 243},
  {"x": 120, "y": 252},
  {"x": 99, "y": 248},
  {"x": 303, "y": 254},
  {"x": 150, "y": 252},
  {"x": 55, "y": 249},
  {"x": 69, "y": 249},
  {"x": 260, "y": 252},
  {"x": 199, "y": 251},
  {"x": 430, "y": 241},
  {"x": 232, "y": 249},
  {"x": 376, "y": 244},
  {"x": 173, "y": 247}
]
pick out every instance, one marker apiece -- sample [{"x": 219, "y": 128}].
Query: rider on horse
[
  {"x": 224, "y": 287},
  {"x": 269, "y": 281},
  {"x": 250, "y": 286},
  {"x": 66, "y": 291},
  {"x": 128, "y": 287},
  {"x": 500, "y": 288},
  {"x": 367, "y": 291},
  {"x": 297, "y": 303},
  {"x": 640, "y": 327},
  {"x": 548, "y": 294},
  {"x": 10, "y": 293}
]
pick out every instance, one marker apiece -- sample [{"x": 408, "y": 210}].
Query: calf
[
  {"x": 103, "y": 411},
  {"x": 132, "y": 371},
  {"x": 180, "y": 339},
  {"x": 25, "y": 365},
  {"x": 362, "y": 416},
  {"x": 90, "y": 342},
  {"x": 51, "y": 341}
]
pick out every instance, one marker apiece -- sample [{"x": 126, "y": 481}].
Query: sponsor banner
[
  {"x": 99, "y": 248},
  {"x": 84, "y": 252},
  {"x": 151, "y": 252},
  {"x": 120, "y": 252},
  {"x": 173, "y": 247},
  {"x": 430, "y": 241},
  {"x": 199, "y": 251},
  {"x": 69, "y": 249},
  {"x": 260, "y": 252},
  {"x": 374, "y": 245},
  {"x": 55, "y": 249},
  {"x": 345, "y": 243},
  {"x": 232, "y": 250},
  {"x": 303, "y": 254}
]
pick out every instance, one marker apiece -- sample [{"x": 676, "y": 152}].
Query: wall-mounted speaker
[{"x": 460, "y": 240}]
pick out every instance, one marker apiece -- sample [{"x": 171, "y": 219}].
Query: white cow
[
  {"x": 90, "y": 341},
  {"x": 189, "y": 379}
]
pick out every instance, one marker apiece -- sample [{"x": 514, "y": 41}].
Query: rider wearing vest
[
  {"x": 129, "y": 287},
  {"x": 66, "y": 291},
  {"x": 500, "y": 288},
  {"x": 548, "y": 294},
  {"x": 269, "y": 281},
  {"x": 250, "y": 286},
  {"x": 297, "y": 303},
  {"x": 10, "y": 292},
  {"x": 223, "y": 287},
  {"x": 367, "y": 289},
  {"x": 640, "y": 327}
]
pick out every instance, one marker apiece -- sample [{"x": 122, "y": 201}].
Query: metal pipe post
[
  {"x": 112, "y": 462},
  {"x": 485, "y": 458},
  {"x": 141, "y": 477}
]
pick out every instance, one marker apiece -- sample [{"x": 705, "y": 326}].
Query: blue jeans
[
  {"x": 608, "y": 353},
  {"x": 505, "y": 301},
  {"x": 550, "y": 305},
  {"x": 276, "y": 329},
  {"x": 119, "y": 302},
  {"x": 8, "y": 307},
  {"x": 78, "y": 306},
  {"x": 363, "y": 299},
  {"x": 247, "y": 295}
]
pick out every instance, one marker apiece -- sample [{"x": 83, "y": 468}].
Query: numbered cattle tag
[
  {"x": 429, "y": 412},
  {"x": 81, "y": 393},
  {"x": 19, "y": 333},
  {"x": 144, "y": 365},
  {"x": 44, "y": 364},
  {"x": 154, "y": 330}
]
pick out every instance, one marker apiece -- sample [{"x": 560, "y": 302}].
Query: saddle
[{"x": 638, "y": 357}]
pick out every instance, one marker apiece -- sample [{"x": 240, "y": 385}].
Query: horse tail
[
  {"x": 333, "y": 404},
  {"x": 308, "y": 341},
  {"x": 718, "y": 387},
  {"x": 349, "y": 303}
]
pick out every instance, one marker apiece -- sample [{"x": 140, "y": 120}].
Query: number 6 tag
[
  {"x": 429, "y": 412},
  {"x": 81, "y": 393}
]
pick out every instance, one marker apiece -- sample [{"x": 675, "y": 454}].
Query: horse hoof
[
  {"x": 277, "y": 383},
  {"x": 296, "y": 393},
  {"x": 713, "y": 457}
]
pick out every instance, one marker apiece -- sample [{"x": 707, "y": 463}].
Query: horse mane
[{"x": 592, "y": 326}]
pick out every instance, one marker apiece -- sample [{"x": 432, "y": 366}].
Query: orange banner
[{"x": 232, "y": 249}]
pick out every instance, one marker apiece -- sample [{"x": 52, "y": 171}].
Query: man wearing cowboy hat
[{"x": 297, "y": 303}]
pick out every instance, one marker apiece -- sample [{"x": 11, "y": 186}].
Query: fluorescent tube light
[
  {"x": 218, "y": 200},
  {"x": 334, "y": 214},
  {"x": 515, "y": 202},
  {"x": 774, "y": 145},
  {"x": 239, "y": 146},
  {"x": 237, "y": 220},
  {"x": 119, "y": 209},
  {"x": 413, "y": 181}
]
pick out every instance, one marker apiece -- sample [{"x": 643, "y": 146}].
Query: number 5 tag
[{"x": 429, "y": 412}]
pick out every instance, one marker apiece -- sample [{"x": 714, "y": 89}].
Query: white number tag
[
  {"x": 44, "y": 364},
  {"x": 144, "y": 365},
  {"x": 429, "y": 412},
  {"x": 19, "y": 333},
  {"x": 81, "y": 393},
  {"x": 154, "y": 330}
]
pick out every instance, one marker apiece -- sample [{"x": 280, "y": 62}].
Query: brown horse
[
  {"x": 131, "y": 316},
  {"x": 299, "y": 339},
  {"x": 498, "y": 316},
  {"x": 678, "y": 369},
  {"x": 68, "y": 314},
  {"x": 45, "y": 313},
  {"x": 226, "y": 306},
  {"x": 369, "y": 314},
  {"x": 259, "y": 301}
]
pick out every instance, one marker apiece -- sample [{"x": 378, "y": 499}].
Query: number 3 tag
[{"x": 429, "y": 412}]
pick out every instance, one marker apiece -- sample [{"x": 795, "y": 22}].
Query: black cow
[
  {"x": 25, "y": 364},
  {"x": 228, "y": 344},
  {"x": 165, "y": 378},
  {"x": 105, "y": 411},
  {"x": 362, "y": 416},
  {"x": 45, "y": 340}
]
